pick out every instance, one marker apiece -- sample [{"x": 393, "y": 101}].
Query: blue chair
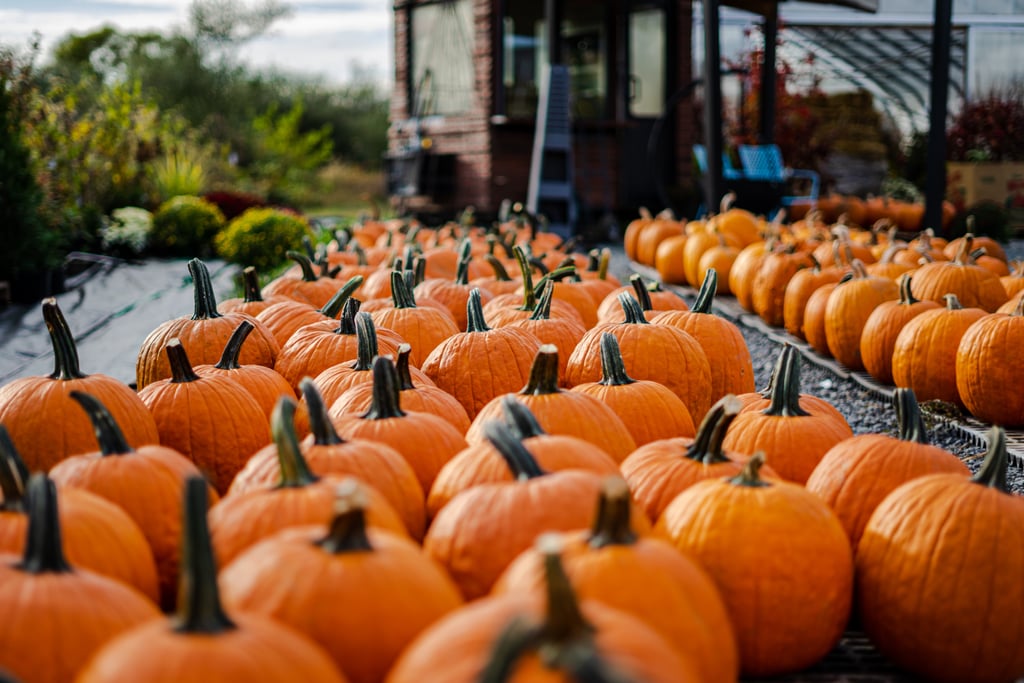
[
  {"x": 729, "y": 172},
  {"x": 764, "y": 162}
]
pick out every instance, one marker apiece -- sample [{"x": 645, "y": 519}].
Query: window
[
  {"x": 442, "y": 58},
  {"x": 647, "y": 62},
  {"x": 585, "y": 50},
  {"x": 525, "y": 53}
]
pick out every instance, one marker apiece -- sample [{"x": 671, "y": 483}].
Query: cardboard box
[{"x": 968, "y": 183}]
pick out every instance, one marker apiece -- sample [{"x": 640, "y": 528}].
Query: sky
[{"x": 319, "y": 37}]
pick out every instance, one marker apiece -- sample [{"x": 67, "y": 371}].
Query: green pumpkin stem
[
  {"x": 199, "y": 605},
  {"x": 632, "y": 309},
  {"x": 206, "y": 302},
  {"x": 320, "y": 425},
  {"x": 785, "y": 392},
  {"x": 520, "y": 461},
  {"x": 347, "y": 321},
  {"x": 44, "y": 549},
  {"x": 543, "y": 378},
  {"x": 707, "y": 445},
  {"x": 465, "y": 256},
  {"x": 564, "y": 621},
  {"x": 347, "y": 533},
  {"x": 475, "y": 313},
  {"x": 515, "y": 641},
  {"x": 500, "y": 273},
  {"x": 108, "y": 433},
  {"x": 604, "y": 263},
  {"x": 13, "y": 475},
  {"x": 251, "y": 285},
  {"x": 526, "y": 271},
  {"x": 906, "y": 295},
  {"x": 613, "y": 367},
  {"x": 336, "y": 303},
  {"x": 542, "y": 311},
  {"x": 402, "y": 367},
  {"x": 305, "y": 265},
  {"x": 706, "y": 294},
  {"x": 908, "y": 416},
  {"x": 181, "y": 367},
  {"x": 557, "y": 275},
  {"x": 65, "y": 354},
  {"x": 387, "y": 399},
  {"x": 401, "y": 294},
  {"x": 229, "y": 357},
  {"x": 520, "y": 418},
  {"x": 997, "y": 461},
  {"x": 366, "y": 343},
  {"x": 751, "y": 473},
  {"x": 643, "y": 296},
  {"x": 295, "y": 472},
  {"x": 612, "y": 524}
]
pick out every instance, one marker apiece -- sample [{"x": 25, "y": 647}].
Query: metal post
[
  {"x": 553, "y": 16},
  {"x": 935, "y": 181},
  {"x": 714, "y": 187},
  {"x": 769, "y": 79}
]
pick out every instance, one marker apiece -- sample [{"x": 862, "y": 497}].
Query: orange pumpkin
[
  {"x": 285, "y": 318},
  {"x": 985, "y": 379},
  {"x": 564, "y": 333},
  {"x": 424, "y": 328},
  {"x": 252, "y": 301},
  {"x": 769, "y": 285},
  {"x": 883, "y": 326},
  {"x": 847, "y": 311},
  {"x": 306, "y": 286},
  {"x": 799, "y": 290},
  {"x": 975, "y": 286},
  {"x": 653, "y": 300}
]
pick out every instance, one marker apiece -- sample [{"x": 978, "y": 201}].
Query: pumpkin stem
[
  {"x": 402, "y": 367},
  {"x": 640, "y": 290},
  {"x": 305, "y": 265},
  {"x": 13, "y": 475},
  {"x": 906, "y": 296},
  {"x": 251, "y": 285},
  {"x": 785, "y": 396},
  {"x": 475, "y": 313},
  {"x": 520, "y": 461},
  {"x": 613, "y": 367},
  {"x": 320, "y": 425},
  {"x": 908, "y": 416},
  {"x": 199, "y": 606},
  {"x": 515, "y": 640},
  {"x": 366, "y": 343},
  {"x": 952, "y": 302},
  {"x": 181, "y": 367},
  {"x": 206, "y": 302},
  {"x": 603, "y": 263},
  {"x": 542, "y": 311},
  {"x": 751, "y": 473},
  {"x": 44, "y": 550},
  {"x": 229, "y": 358},
  {"x": 706, "y": 294},
  {"x": 401, "y": 294},
  {"x": 707, "y": 446},
  {"x": 500, "y": 274},
  {"x": 108, "y": 433},
  {"x": 631, "y": 307},
  {"x": 964, "y": 250},
  {"x": 526, "y": 270},
  {"x": 295, "y": 471},
  {"x": 347, "y": 321},
  {"x": 612, "y": 523},
  {"x": 543, "y": 373},
  {"x": 336, "y": 303},
  {"x": 387, "y": 401},
  {"x": 520, "y": 418},
  {"x": 1018, "y": 310},
  {"x": 347, "y": 533},
  {"x": 564, "y": 622},
  {"x": 65, "y": 354},
  {"x": 993, "y": 469},
  {"x": 465, "y": 256},
  {"x": 557, "y": 275}
]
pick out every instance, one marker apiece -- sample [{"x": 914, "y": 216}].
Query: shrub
[
  {"x": 127, "y": 231},
  {"x": 177, "y": 173},
  {"x": 261, "y": 238},
  {"x": 233, "y": 204},
  {"x": 186, "y": 226}
]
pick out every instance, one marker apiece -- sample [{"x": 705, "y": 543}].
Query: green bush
[
  {"x": 261, "y": 238},
  {"x": 186, "y": 226},
  {"x": 127, "y": 231}
]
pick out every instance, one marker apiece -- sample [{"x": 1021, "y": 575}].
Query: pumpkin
[
  {"x": 668, "y": 259},
  {"x": 481, "y": 463},
  {"x": 975, "y": 286},
  {"x": 897, "y": 260},
  {"x": 204, "y": 334},
  {"x": 326, "y": 454},
  {"x": 814, "y": 317},
  {"x": 519, "y": 305},
  {"x": 732, "y": 370},
  {"x": 1014, "y": 282},
  {"x": 920, "y": 541},
  {"x": 541, "y": 637},
  {"x": 924, "y": 355},
  {"x": 500, "y": 282},
  {"x": 252, "y": 301},
  {"x": 454, "y": 294},
  {"x": 387, "y": 423},
  {"x": 386, "y": 588},
  {"x": 770, "y": 281},
  {"x": 740, "y": 226},
  {"x": 858, "y": 473},
  {"x": 991, "y": 246},
  {"x": 649, "y": 409},
  {"x": 633, "y": 230},
  {"x": 744, "y": 268},
  {"x": 285, "y": 318},
  {"x": 264, "y": 384},
  {"x": 661, "y": 228},
  {"x": 463, "y": 537},
  {"x": 847, "y": 311},
  {"x": 793, "y": 439},
  {"x": 562, "y": 412},
  {"x": 56, "y": 617},
  {"x": 656, "y": 352},
  {"x": 299, "y": 497},
  {"x": 203, "y": 641},
  {"x": 564, "y": 333},
  {"x": 645, "y": 577},
  {"x": 424, "y": 328},
  {"x": 46, "y": 423},
  {"x": 210, "y": 420},
  {"x": 146, "y": 483},
  {"x": 799, "y": 290},
  {"x": 759, "y": 400},
  {"x": 788, "y": 613},
  {"x": 883, "y": 326},
  {"x": 306, "y": 287},
  {"x": 652, "y": 298},
  {"x": 985, "y": 377},
  {"x": 466, "y": 365}
]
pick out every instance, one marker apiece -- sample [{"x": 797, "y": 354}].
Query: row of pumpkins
[
  {"x": 393, "y": 502},
  {"x": 942, "y": 318}
]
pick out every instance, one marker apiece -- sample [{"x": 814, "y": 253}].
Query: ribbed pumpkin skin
[
  {"x": 987, "y": 378},
  {"x": 962, "y": 545},
  {"x": 563, "y": 333},
  {"x": 814, "y": 318},
  {"x": 798, "y": 291},
  {"x": 264, "y": 384},
  {"x": 769, "y": 286},
  {"x": 389, "y": 595},
  {"x": 315, "y": 348},
  {"x": 883, "y": 326},
  {"x": 649, "y": 410},
  {"x": 741, "y": 275},
  {"x": 423, "y": 327},
  {"x": 975, "y": 286},
  {"x": 610, "y": 310},
  {"x": 423, "y": 398},
  {"x": 284, "y": 318},
  {"x": 846, "y": 312}
]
